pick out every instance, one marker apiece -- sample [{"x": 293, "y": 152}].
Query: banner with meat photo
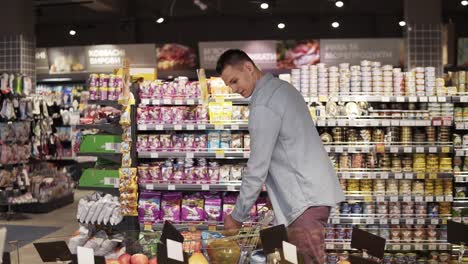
[
  {"x": 295, "y": 53},
  {"x": 173, "y": 56}
]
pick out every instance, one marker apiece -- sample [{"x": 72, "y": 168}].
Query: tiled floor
[{"x": 64, "y": 218}]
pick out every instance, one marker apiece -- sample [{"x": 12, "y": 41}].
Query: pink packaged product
[
  {"x": 157, "y": 91},
  {"x": 118, "y": 91},
  {"x": 167, "y": 171},
  {"x": 193, "y": 208},
  {"x": 149, "y": 207},
  {"x": 93, "y": 80},
  {"x": 169, "y": 90},
  {"x": 143, "y": 174},
  {"x": 118, "y": 84},
  {"x": 170, "y": 207},
  {"x": 166, "y": 142},
  {"x": 154, "y": 143},
  {"x": 189, "y": 172},
  {"x": 155, "y": 115},
  {"x": 229, "y": 202},
  {"x": 180, "y": 90},
  {"x": 201, "y": 171},
  {"x": 142, "y": 115},
  {"x": 179, "y": 171},
  {"x": 179, "y": 114},
  {"x": 190, "y": 92},
  {"x": 253, "y": 214},
  {"x": 213, "y": 207},
  {"x": 93, "y": 93},
  {"x": 111, "y": 94},
  {"x": 142, "y": 142},
  {"x": 112, "y": 83},
  {"x": 201, "y": 142},
  {"x": 214, "y": 172},
  {"x": 167, "y": 115},
  {"x": 155, "y": 173},
  {"x": 202, "y": 114},
  {"x": 145, "y": 91},
  {"x": 191, "y": 115},
  {"x": 189, "y": 142},
  {"x": 178, "y": 142}
]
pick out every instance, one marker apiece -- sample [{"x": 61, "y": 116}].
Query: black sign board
[
  {"x": 53, "y": 251},
  {"x": 272, "y": 238},
  {"x": 362, "y": 240},
  {"x": 457, "y": 233}
]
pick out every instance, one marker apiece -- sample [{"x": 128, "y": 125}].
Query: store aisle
[{"x": 63, "y": 219}]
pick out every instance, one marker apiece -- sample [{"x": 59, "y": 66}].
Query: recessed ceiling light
[
  {"x": 339, "y": 3},
  {"x": 264, "y": 5},
  {"x": 72, "y": 32},
  {"x": 402, "y": 23},
  {"x": 281, "y": 25},
  {"x": 335, "y": 24},
  {"x": 160, "y": 20},
  {"x": 464, "y": 3}
]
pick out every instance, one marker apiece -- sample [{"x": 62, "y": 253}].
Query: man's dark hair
[{"x": 232, "y": 57}]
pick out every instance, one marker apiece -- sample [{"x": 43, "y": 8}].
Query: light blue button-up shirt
[{"x": 287, "y": 155}]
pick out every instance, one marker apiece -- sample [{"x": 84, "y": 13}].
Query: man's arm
[{"x": 264, "y": 129}]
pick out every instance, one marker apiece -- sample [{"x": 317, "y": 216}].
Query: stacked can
[
  {"x": 305, "y": 80},
  {"x": 356, "y": 79},
  {"x": 366, "y": 77},
  {"x": 440, "y": 87},
  {"x": 313, "y": 81},
  {"x": 420, "y": 83},
  {"x": 434, "y": 109},
  {"x": 377, "y": 79},
  {"x": 296, "y": 79},
  {"x": 333, "y": 81},
  {"x": 398, "y": 82},
  {"x": 322, "y": 79},
  {"x": 344, "y": 78},
  {"x": 460, "y": 81},
  {"x": 430, "y": 81},
  {"x": 410, "y": 83},
  {"x": 388, "y": 80}
]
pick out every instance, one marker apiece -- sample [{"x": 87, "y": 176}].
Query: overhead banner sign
[
  {"x": 353, "y": 51},
  {"x": 262, "y": 52},
  {"x": 297, "y": 53},
  {"x": 175, "y": 56}
]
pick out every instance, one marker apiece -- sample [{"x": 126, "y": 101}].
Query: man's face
[{"x": 240, "y": 78}]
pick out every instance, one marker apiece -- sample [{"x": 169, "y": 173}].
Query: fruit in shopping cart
[
  {"x": 124, "y": 259},
  {"x": 153, "y": 261},
  {"x": 223, "y": 251},
  {"x": 197, "y": 258},
  {"x": 139, "y": 259}
]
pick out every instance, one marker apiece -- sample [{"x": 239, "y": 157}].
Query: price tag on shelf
[
  {"x": 149, "y": 187},
  {"x": 383, "y": 221},
  {"x": 443, "y": 247},
  {"x": 393, "y": 198},
  {"x": 189, "y": 155},
  {"x": 219, "y": 126},
  {"x": 394, "y": 150},
  {"x": 384, "y": 175},
  {"x": 346, "y": 175},
  {"x": 400, "y": 99},
  {"x": 432, "y": 99},
  {"x": 190, "y": 127},
  {"x": 219, "y": 154},
  {"x": 444, "y": 221},
  {"x": 423, "y": 99},
  {"x": 406, "y": 247},
  {"x": 380, "y": 148},
  {"x": 420, "y": 149},
  {"x": 396, "y": 247},
  {"x": 408, "y": 149},
  {"x": 385, "y": 123},
  {"x": 380, "y": 198},
  {"x": 368, "y": 198},
  {"x": 167, "y": 101},
  {"x": 409, "y": 176},
  {"x": 171, "y": 187},
  {"x": 409, "y": 221},
  {"x": 154, "y": 155},
  {"x": 327, "y": 148},
  {"x": 449, "y": 198},
  {"x": 439, "y": 198},
  {"x": 465, "y": 220},
  {"x": 434, "y": 221},
  {"x": 352, "y": 122},
  {"x": 178, "y": 102},
  {"x": 142, "y": 127},
  {"x": 373, "y": 123},
  {"x": 432, "y": 149},
  {"x": 145, "y": 101},
  {"x": 205, "y": 187},
  {"x": 385, "y": 99},
  {"x": 436, "y": 122},
  {"x": 418, "y": 247},
  {"x": 177, "y": 127},
  {"x": 346, "y": 246},
  {"x": 413, "y": 99},
  {"x": 341, "y": 122},
  {"x": 465, "y": 125},
  {"x": 231, "y": 188},
  {"x": 420, "y": 221},
  {"x": 457, "y": 219},
  {"x": 190, "y": 101},
  {"x": 406, "y": 198},
  {"x": 235, "y": 127},
  {"x": 445, "y": 149},
  {"x": 219, "y": 98},
  {"x": 446, "y": 122},
  {"x": 418, "y": 199},
  {"x": 246, "y": 155},
  {"x": 442, "y": 99},
  {"x": 338, "y": 149},
  {"x": 395, "y": 221},
  {"x": 336, "y": 221},
  {"x": 331, "y": 122},
  {"x": 459, "y": 125},
  {"x": 156, "y": 102},
  {"x": 159, "y": 127},
  {"x": 432, "y": 176},
  {"x": 202, "y": 127},
  {"x": 420, "y": 175},
  {"x": 330, "y": 246},
  {"x": 429, "y": 198},
  {"x": 411, "y": 123},
  {"x": 321, "y": 123},
  {"x": 432, "y": 247},
  {"x": 398, "y": 176},
  {"x": 351, "y": 149},
  {"x": 148, "y": 227},
  {"x": 370, "y": 221},
  {"x": 464, "y": 99},
  {"x": 395, "y": 122}
]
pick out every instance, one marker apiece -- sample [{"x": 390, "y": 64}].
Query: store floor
[{"x": 57, "y": 225}]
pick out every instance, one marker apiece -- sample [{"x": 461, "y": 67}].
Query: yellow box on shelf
[{"x": 220, "y": 112}]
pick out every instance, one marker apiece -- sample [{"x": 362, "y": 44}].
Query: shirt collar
[{"x": 260, "y": 84}]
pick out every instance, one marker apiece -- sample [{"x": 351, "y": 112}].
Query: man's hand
[{"x": 230, "y": 224}]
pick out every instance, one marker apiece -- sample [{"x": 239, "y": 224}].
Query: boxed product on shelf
[
  {"x": 105, "y": 86},
  {"x": 100, "y": 143},
  {"x": 180, "y": 89}
]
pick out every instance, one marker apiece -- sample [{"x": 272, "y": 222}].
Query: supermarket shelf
[
  {"x": 379, "y": 98},
  {"x": 114, "y": 157},
  {"x": 459, "y": 125},
  {"x": 460, "y": 202},
  {"x": 460, "y": 99},
  {"x": 201, "y": 154},
  {"x": 231, "y": 187},
  {"x": 160, "y": 127},
  {"x": 385, "y": 220},
  {"x": 188, "y": 101},
  {"x": 461, "y": 177},
  {"x": 114, "y": 104},
  {"x": 382, "y": 122},
  {"x": 393, "y": 175},
  {"x": 113, "y": 191},
  {"x": 461, "y": 152},
  {"x": 387, "y": 148},
  {"x": 109, "y": 128},
  {"x": 397, "y": 198},
  {"x": 415, "y": 246}
]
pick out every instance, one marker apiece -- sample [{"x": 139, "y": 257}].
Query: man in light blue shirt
[{"x": 286, "y": 155}]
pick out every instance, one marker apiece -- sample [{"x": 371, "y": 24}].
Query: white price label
[
  {"x": 330, "y": 246},
  {"x": 420, "y": 221},
  {"x": 407, "y": 199},
  {"x": 418, "y": 247},
  {"x": 171, "y": 187},
  {"x": 154, "y": 155},
  {"x": 177, "y": 127},
  {"x": 341, "y": 122},
  {"x": 420, "y": 149},
  {"x": 429, "y": 198},
  {"x": 413, "y": 99},
  {"x": 398, "y": 176},
  {"x": 370, "y": 221},
  {"x": 443, "y": 247},
  {"x": 231, "y": 188},
  {"x": 336, "y": 221},
  {"x": 190, "y": 101},
  {"x": 339, "y": 149},
  {"x": 290, "y": 253},
  {"x": 433, "y": 150},
  {"x": 356, "y": 221},
  {"x": 396, "y": 247},
  {"x": 434, "y": 221},
  {"x": 219, "y": 127},
  {"x": 460, "y": 152},
  {"x": 457, "y": 219},
  {"x": 465, "y": 125},
  {"x": 432, "y": 99},
  {"x": 395, "y": 221},
  {"x": 174, "y": 250},
  {"x": 400, "y": 99},
  {"x": 432, "y": 247},
  {"x": 439, "y": 198},
  {"x": 327, "y": 148},
  {"x": 459, "y": 125},
  {"x": 465, "y": 220},
  {"x": 149, "y": 187},
  {"x": 385, "y": 123},
  {"x": 235, "y": 127},
  {"x": 395, "y": 122},
  {"x": 394, "y": 199},
  {"x": 384, "y": 175},
  {"x": 202, "y": 127},
  {"x": 246, "y": 155},
  {"x": 205, "y": 187},
  {"x": 142, "y": 127},
  {"x": 178, "y": 102},
  {"x": 464, "y": 99},
  {"x": 220, "y": 155},
  {"x": 351, "y": 149},
  {"x": 418, "y": 199},
  {"x": 449, "y": 198},
  {"x": 346, "y": 175},
  {"x": 189, "y": 155},
  {"x": 442, "y": 99},
  {"x": 145, "y": 101},
  {"x": 352, "y": 123},
  {"x": 385, "y": 99},
  {"x": 190, "y": 127},
  {"x": 321, "y": 123},
  {"x": 380, "y": 198},
  {"x": 346, "y": 246},
  {"x": 423, "y": 99},
  {"x": 409, "y": 176},
  {"x": 167, "y": 101},
  {"x": 332, "y": 122},
  {"x": 409, "y": 221},
  {"x": 156, "y": 101},
  {"x": 408, "y": 149},
  {"x": 159, "y": 127},
  {"x": 383, "y": 221},
  {"x": 437, "y": 122},
  {"x": 394, "y": 150},
  {"x": 406, "y": 247}
]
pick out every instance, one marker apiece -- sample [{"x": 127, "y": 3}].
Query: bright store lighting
[
  {"x": 281, "y": 25},
  {"x": 402, "y": 23},
  {"x": 160, "y": 20},
  {"x": 72, "y": 32},
  {"x": 264, "y": 5},
  {"x": 335, "y": 24},
  {"x": 464, "y": 3},
  {"x": 339, "y": 3}
]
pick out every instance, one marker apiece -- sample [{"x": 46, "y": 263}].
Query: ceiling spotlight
[
  {"x": 281, "y": 25},
  {"x": 264, "y": 5},
  {"x": 335, "y": 24},
  {"x": 160, "y": 20},
  {"x": 402, "y": 23},
  {"x": 72, "y": 32},
  {"x": 464, "y": 3},
  {"x": 339, "y": 4}
]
